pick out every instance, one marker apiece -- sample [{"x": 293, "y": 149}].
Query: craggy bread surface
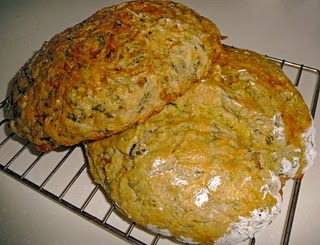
[
  {"x": 118, "y": 67},
  {"x": 207, "y": 168},
  {"x": 257, "y": 84}
]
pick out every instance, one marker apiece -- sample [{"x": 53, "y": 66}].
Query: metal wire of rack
[{"x": 31, "y": 168}]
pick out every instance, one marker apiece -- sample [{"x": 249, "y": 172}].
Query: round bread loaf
[
  {"x": 118, "y": 67},
  {"x": 208, "y": 168}
]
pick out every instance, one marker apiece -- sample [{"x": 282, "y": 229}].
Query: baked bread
[
  {"x": 116, "y": 68},
  {"x": 208, "y": 168}
]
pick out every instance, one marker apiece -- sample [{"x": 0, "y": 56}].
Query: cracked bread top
[
  {"x": 118, "y": 67},
  {"x": 210, "y": 166}
]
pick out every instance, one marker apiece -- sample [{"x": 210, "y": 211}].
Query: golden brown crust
[
  {"x": 174, "y": 173},
  {"x": 211, "y": 163},
  {"x": 118, "y": 67},
  {"x": 270, "y": 93}
]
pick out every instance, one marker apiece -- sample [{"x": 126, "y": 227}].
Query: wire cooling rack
[{"x": 62, "y": 175}]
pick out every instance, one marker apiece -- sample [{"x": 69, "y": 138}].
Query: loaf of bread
[
  {"x": 210, "y": 166},
  {"x": 118, "y": 67},
  {"x": 189, "y": 138}
]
